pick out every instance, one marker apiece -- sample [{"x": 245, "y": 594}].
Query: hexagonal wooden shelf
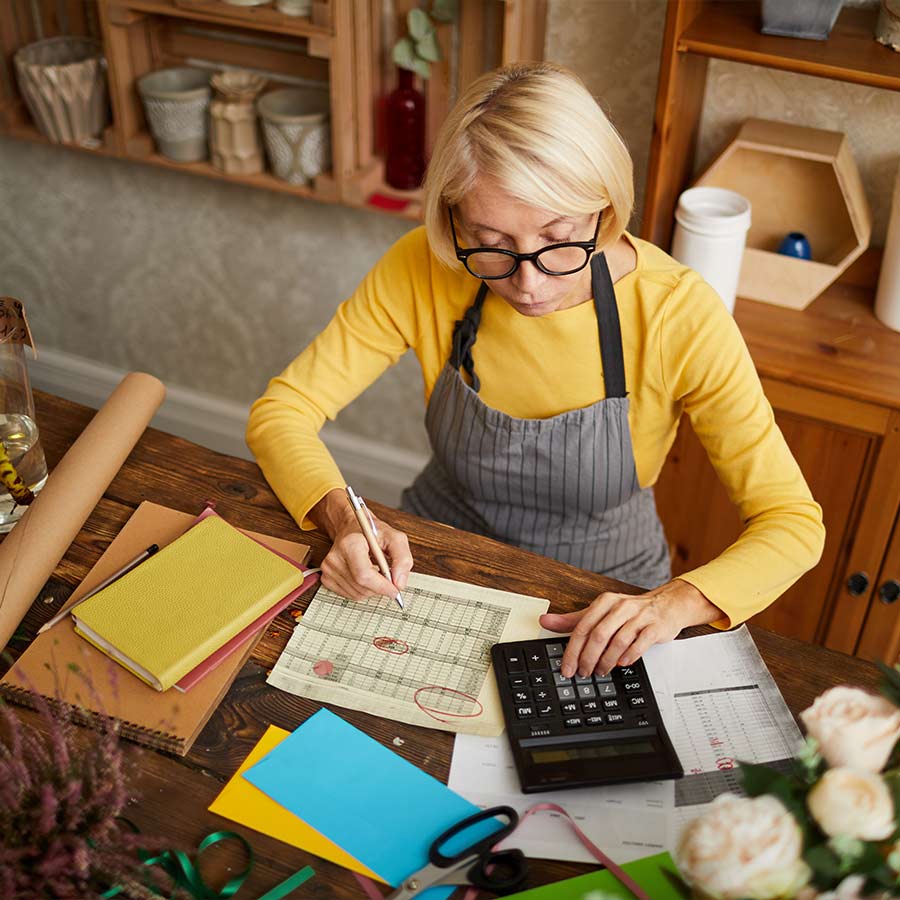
[{"x": 796, "y": 179}]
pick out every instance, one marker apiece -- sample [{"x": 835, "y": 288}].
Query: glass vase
[
  {"x": 23, "y": 469},
  {"x": 405, "y": 145}
]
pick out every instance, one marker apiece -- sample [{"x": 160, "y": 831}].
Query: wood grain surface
[{"x": 170, "y": 795}]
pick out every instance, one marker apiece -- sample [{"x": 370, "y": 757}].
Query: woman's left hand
[{"x": 617, "y": 629}]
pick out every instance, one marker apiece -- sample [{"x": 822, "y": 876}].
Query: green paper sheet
[{"x": 647, "y": 872}]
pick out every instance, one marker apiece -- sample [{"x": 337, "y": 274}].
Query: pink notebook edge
[{"x": 186, "y": 682}]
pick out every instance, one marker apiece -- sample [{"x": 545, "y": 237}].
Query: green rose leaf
[
  {"x": 445, "y": 10},
  {"x": 419, "y": 24},
  {"x": 890, "y": 682},
  {"x": 429, "y": 48},
  {"x": 825, "y": 866}
]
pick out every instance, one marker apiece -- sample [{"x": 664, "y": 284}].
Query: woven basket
[{"x": 63, "y": 83}]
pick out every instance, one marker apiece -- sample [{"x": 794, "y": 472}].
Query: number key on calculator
[{"x": 576, "y": 732}]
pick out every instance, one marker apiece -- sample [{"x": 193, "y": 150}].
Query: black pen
[{"x": 146, "y": 554}]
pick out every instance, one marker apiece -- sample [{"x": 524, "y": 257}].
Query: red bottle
[{"x": 404, "y": 165}]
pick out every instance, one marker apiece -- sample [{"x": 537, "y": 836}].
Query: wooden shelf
[
  {"x": 340, "y": 44},
  {"x": 836, "y": 345},
  {"x": 730, "y": 31},
  {"x": 260, "y": 18}
]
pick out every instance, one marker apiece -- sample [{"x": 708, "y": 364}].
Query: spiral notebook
[{"x": 59, "y": 664}]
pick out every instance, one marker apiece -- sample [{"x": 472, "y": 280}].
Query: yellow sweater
[{"x": 683, "y": 353}]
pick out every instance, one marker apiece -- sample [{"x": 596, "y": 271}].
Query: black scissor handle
[
  {"x": 500, "y": 873},
  {"x": 479, "y": 848}
]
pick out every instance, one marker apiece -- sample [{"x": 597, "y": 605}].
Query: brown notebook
[{"x": 168, "y": 721}]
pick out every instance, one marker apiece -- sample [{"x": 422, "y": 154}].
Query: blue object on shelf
[
  {"x": 810, "y": 19},
  {"x": 795, "y": 244}
]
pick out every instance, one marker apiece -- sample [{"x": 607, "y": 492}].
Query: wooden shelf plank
[
  {"x": 324, "y": 191},
  {"x": 836, "y": 344},
  {"x": 727, "y": 30},
  {"x": 261, "y": 18}
]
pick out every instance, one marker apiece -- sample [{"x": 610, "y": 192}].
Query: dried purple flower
[{"x": 62, "y": 790}]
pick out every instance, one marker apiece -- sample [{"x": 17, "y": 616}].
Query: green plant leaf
[
  {"x": 422, "y": 67},
  {"x": 404, "y": 54},
  {"x": 759, "y": 779},
  {"x": 825, "y": 866},
  {"x": 428, "y": 48},
  {"x": 445, "y": 10},
  {"x": 890, "y": 682},
  {"x": 419, "y": 24}
]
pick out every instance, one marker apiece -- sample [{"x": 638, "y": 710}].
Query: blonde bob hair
[{"x": 536, "y": 130}]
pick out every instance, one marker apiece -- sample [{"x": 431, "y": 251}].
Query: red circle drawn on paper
[
  {"x": 323, "y": 668},
  {"x": 391, "y": 645},
  {"x": 437, "y": 713}
]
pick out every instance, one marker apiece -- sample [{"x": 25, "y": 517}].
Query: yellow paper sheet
[{"x": 245, "y": 804}]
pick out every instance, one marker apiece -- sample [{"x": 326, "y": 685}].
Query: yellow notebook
[{"x": 166, "y": 616}]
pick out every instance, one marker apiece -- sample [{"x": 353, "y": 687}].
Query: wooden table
[{"x": 175, "y": 792}]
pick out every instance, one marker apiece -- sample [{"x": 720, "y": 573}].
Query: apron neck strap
[
  {"x": 465, "y": 332},
  {"x": 610, "y": 330}
]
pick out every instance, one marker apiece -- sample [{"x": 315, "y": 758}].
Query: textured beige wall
[
  {"x": 215, "y": 287},
  {"x": 614, "y": 45}
]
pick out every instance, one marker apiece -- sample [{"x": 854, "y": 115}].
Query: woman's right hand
[{"x": 348, "y": 568}]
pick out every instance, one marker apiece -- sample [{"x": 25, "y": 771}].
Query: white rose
[
  {"x": 854, "y": 803},
  {"x": 743, "y": 848},
  {"x": 853, "y": 728}
]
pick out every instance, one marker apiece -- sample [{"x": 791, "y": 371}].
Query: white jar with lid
[{"x": 710, "y": 234}]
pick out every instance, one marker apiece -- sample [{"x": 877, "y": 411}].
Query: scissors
[{"x": 500, "y": 872}]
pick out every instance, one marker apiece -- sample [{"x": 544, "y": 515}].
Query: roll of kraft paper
[{"x": 31, "y": 551}]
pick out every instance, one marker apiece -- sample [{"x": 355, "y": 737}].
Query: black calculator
[{"x": 578, "y": 732}]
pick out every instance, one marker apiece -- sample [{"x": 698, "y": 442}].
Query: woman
[{"x": 558, "y": 354}]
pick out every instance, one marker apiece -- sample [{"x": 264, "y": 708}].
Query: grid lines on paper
[
  {"x": 448, "y": 641},
  {"x": 714, "y": 729}
]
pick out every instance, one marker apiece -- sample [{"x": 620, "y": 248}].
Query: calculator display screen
[{"x": 590, "y": 751}]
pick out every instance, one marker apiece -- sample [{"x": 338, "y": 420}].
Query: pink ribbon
[{"x": 373, "y": 893}]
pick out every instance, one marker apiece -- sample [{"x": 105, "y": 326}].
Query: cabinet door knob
[
  {"x": 858, "y": 583},
  {"x": 889, "y": 592}
]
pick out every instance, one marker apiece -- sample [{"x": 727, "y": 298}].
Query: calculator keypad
[{"x": 539, "y": 690}]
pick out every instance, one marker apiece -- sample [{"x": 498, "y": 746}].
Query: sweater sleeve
[
  {"x": 707, "y": 368},
  {"x": 369, "y": 332}
]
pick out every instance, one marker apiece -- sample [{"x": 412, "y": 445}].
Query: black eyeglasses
[{"x": 490, "y": 263}]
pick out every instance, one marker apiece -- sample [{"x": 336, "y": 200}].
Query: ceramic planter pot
[
  {"x": 63, "y": 83},
  {"x": 296, "y": 132},
  {"x": 234, "y": 142},
  {"x": 176, "y": 102}
]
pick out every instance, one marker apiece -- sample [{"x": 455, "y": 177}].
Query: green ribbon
[{"x": 186, "y": 874}]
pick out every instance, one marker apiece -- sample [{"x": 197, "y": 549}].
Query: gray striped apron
[{"x": 564, "y": 487}]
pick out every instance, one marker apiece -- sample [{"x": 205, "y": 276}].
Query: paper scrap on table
[
  {"x": 427, "y": 664},
  {"x": 719, "y": 703},
  {"x": 367, "y": 799},
  {"x": 245, "y": 804}
]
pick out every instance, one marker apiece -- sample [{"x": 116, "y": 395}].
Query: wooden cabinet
[
  {"x": 831, "y": 371},
  {"x": 343, "y": 43}
]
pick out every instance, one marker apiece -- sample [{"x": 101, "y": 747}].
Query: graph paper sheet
[
  {"x": 427, "y": 664},
  {"x": 723, "y": 707}
]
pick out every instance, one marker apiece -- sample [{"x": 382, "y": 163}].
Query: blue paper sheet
[{"x": 367, "y": 799}]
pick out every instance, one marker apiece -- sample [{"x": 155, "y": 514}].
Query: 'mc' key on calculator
[{"x": 577, "y": 732}]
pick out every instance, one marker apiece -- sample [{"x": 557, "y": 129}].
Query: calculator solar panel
[{"x": 577, "y": 732}]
